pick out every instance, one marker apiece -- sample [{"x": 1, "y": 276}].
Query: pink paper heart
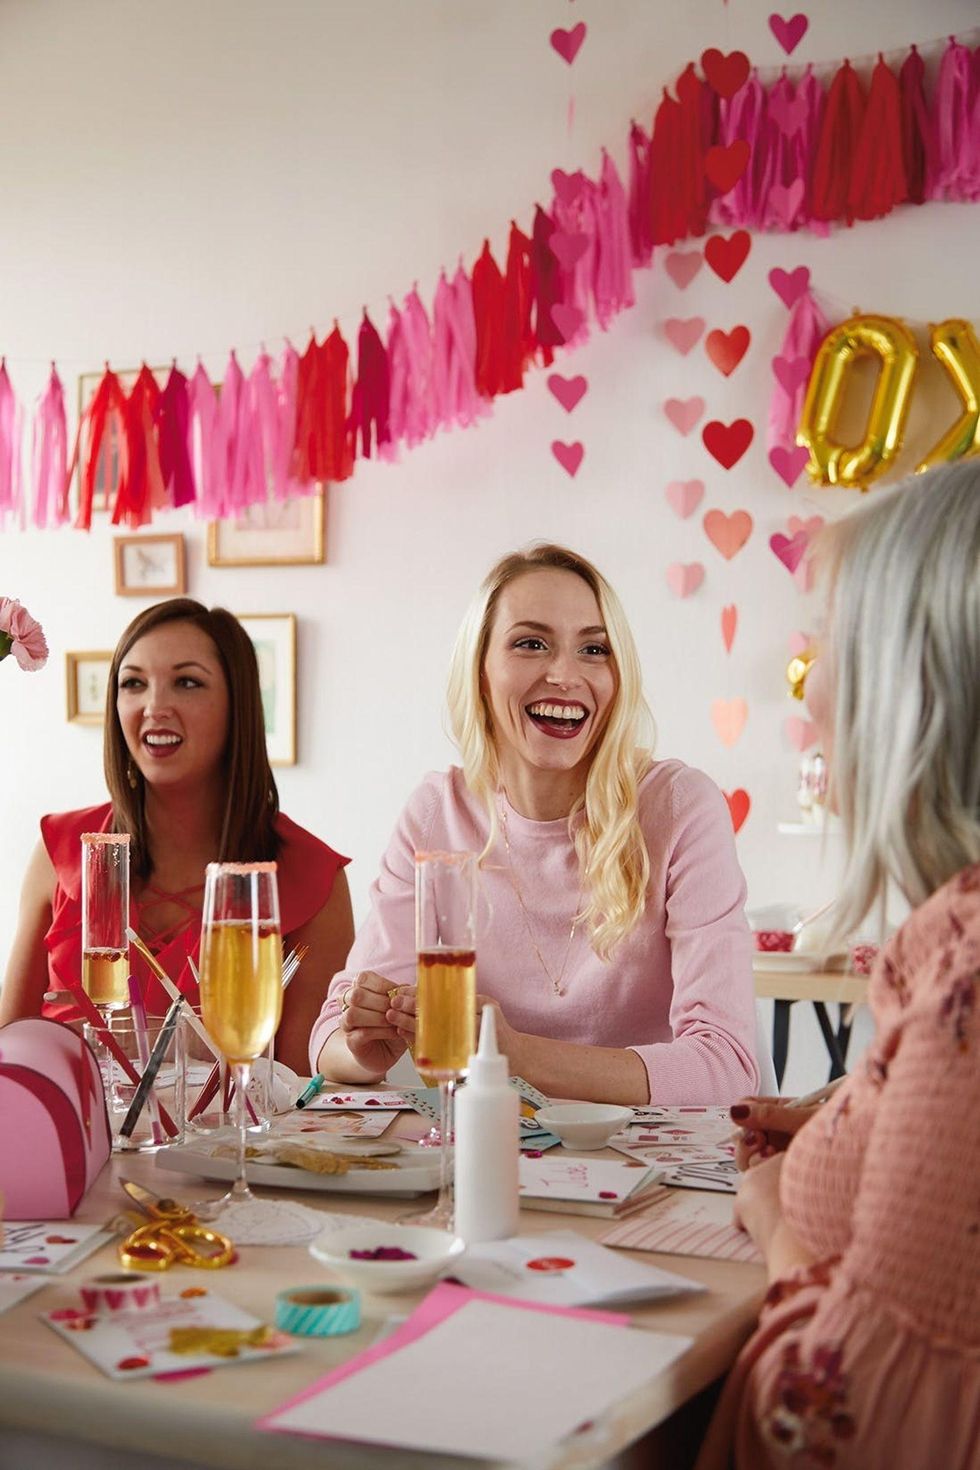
[
  {"x": 788, "y": 463},
  {"x": 799, "y": 642},
  {"x": 786, "y": 199},
  {"x": 800, "y": 733},
  {"x": 811, "y": 526},
  {"x": 569, "y": 456},
  {"x": 789, "y": 33},
  {"x": 568, "y": 391},
  {"x": 791, "y": 372},
  {"x": 36, "y": 1261},
  {"x": 788, "y": 112},
  {"x": 682, "y": 266},
  {"x": 683, "y": 580},
  {"x": 728, "y": 533},
  {"x": 568, "y": 43},
  {"x": 567, "y": 186},
  {"x": 684, "y": 413},
  {"x": 684, "y": 334},
  {"x": 790, "y": 551},
  {"x": 789, "y": 285},
  {"x": 728, "y": 717},
  {"x": 729, "y": 622},
  {"x": 684, "y": 496},
  {"x": 567, "y": 319},
  {"x": 569, "y": 249}
]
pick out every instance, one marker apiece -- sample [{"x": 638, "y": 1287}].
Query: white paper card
[
  {"x": 599, "y": 1181},
  {"x": 16, "y": 1285},
  {"x": 334, "y": 1102},
  {"x": 48, "y": 1246},
  {"x": 562, "y": 1269}
]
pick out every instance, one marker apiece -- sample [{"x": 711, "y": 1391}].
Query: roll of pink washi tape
[{"x": 120, "y": 1292}]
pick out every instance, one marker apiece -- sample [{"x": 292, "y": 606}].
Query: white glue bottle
[{"x": 487, "y": 1144}]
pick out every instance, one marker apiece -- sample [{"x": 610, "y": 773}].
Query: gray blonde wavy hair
[
  {"x": 904, "y": 643},
  {"x": 611, "y": 851}
]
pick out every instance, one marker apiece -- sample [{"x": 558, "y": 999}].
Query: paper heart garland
[
  {"x": 684, "y": 496},
  {"x": 684, "y": 333},
  {"x": 789, "y": 33},
  {"x": 728, "y": 717},
  {"x": 568, "y": 43},
  {"x": 568, "y": 391},
  {"x": 569, "y": 456},
  {"x": 724, "y": 166},
  {"x": 567, "y": 186},
  {"x": 729, "y": 622},
  {"x": 725, "y": 74},
  {"x": 726, "y": 349},
  {"x": 728, "y": 533},
  {"x": 788, "y": 463},
  {"x": 790, "y": 550},
  {"x": 568, "y": 249},
  {"x": 727, "y": 256},
  {"x": 727, "y": 442},
  {"x": 567, "y": 319},
  {"x": 809, "y": 527},
  {"x": 683, "y": 580},
  {"x": 789, "y": 286},
  {"x": 799, "y": 732},
  {"x": 682, "y": 266},
  {"x": 787, "y": 111},
  {"x": 739, "y": 804},
  {"x": 684, "y": 413},
  {"x": 791, "y": 372}
]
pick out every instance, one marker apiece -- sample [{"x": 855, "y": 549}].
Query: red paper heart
[
  {"x": 568, "y": 391},
  {"x": 684, "y": 496},
  {"x": 684, "y": 413},
  {"x": 685, "y": 580},
  {"x": 789, "y": 286},
  {"x": 727, "y": 256},
  {"x": 126, "y": 1365},
  {"x": 727, "y": 442},
  {"x": 682, "y": 266},
  {"x": 726, "y": 349},
  {"x": 724, "y": 166},
  {"x": 790, "y": 550},
  {"x": 569, "y": 456},
  {"x": 568, "y": 43},
  {"x": 60, "y": 1239},
  {"x": 725, "y": 74},
  {"x": 738, "y": 806},
  {"x": 728, "y": 533},
  {"x": 683, "y": 334},
  {"x": 788, "y": 463},
  {"x": 567, "y": 186},
  {"x": 729, "y": 622},
  {"x": 569, "y": 249},
  {"x": 789, "y": 33},
  {"x": 791, "y": 372},
  {"x": 567, "y": 319}
]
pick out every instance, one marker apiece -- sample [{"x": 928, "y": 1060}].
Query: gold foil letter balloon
[
  {"x": 891, "y": 342},
  {"x": 956, "y": 347}
]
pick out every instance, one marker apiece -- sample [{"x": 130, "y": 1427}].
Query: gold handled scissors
[{"x": 172, "y": 1236}]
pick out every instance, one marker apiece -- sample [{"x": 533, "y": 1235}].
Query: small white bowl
[
  {"x": 434, "y": 1250},
  {"x": 584, "y": 1125}
]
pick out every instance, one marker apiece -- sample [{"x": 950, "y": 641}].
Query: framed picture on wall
[
  {"x": 87, "y": 679},
  {"x": 149, "y": 566},
  {"x": 277, "y": 533},
  {"x": 274, "y": 638},
  {"x": 107, "y": 466}
]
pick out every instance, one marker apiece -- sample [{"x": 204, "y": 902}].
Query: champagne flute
[
  {"x": 105, "y": 942},
  {"x": 241, "y": 982},
  {"x": 445, "y": 1037}
]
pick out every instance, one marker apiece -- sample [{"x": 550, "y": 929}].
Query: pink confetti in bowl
[
  {"x": 773, "y": 941},
  {"x": 382, "y": 1257}
]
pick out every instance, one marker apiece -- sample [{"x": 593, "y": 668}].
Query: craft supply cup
[
  {"x": 217, "y": 1118},
  {"x": 119, "y": 1087}
]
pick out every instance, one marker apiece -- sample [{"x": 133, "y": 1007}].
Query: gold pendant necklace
[{"x": 555, "y": 983}]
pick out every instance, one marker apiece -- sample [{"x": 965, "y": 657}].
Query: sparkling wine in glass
[
  {"x": 241, "y": 981},
  {"x": 445, "y": 1001},
  {"x": 105, "y": 918}
]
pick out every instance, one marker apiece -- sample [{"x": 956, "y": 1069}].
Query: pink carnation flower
[{"x": 21, "y": 635}]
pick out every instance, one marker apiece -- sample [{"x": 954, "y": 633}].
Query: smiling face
[
  {"x": 173, "y": 705},
  {"x": 548, "y": 675}
]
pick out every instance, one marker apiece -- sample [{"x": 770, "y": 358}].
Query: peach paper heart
[
  {"x": 684, "y": 413},
  {"x": 568, "y": 43},
  {"x": 684, "y": 496},
  {"x": 684, "y": 334},
  {"x": 800, "y": 733},
  {"x": 728, "y": 717},
  {"x": 728, "y": 533},
  {"x": 729, "y": 622},
  {"x": 739, "y": 804},
  {"x": 568, "y": 391},
  {"x": 726, "y": 349},
  {"x": 682, "y": 266},
  {"x": 683, "y": 580},
  {"x": 569, "y": 456}
]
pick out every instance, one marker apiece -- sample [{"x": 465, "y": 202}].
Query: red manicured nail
[{"x": 739, "y": 1111}]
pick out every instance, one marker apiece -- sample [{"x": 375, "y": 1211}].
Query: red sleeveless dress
[{"x": 307, "y": 868}]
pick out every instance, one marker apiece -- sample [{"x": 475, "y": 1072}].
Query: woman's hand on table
[
  {"x": 766, "y": 1127},
  {"x": 374, "y": 1038}
]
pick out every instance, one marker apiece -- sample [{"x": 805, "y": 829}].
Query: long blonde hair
[{"x": 612, "y": 854}]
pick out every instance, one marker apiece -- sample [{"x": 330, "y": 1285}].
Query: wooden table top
[{"x": 834, "y": 986}]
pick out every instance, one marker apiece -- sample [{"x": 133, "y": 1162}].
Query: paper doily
[{"x": 278, "y": 1222}]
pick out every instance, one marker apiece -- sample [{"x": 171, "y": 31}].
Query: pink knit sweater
[
  {"x": 678, "y": 990},
  {"x": 871, "y": 1357}
]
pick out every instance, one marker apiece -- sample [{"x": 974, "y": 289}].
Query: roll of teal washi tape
[{"x": 318, "y": 1311}]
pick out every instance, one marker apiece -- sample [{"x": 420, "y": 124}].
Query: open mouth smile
[
  {"x": 161, "y": 743},
  {"x": 560, "y": 720}
]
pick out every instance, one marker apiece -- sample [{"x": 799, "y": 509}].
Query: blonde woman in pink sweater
[
  {"x": 867, "y": 1355},
  {"x": 614, "y": 942}
]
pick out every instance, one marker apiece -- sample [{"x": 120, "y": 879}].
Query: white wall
[{"x": 180, "y": 179}]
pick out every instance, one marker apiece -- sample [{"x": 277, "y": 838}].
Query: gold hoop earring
[{"x": 131, "y": 774}]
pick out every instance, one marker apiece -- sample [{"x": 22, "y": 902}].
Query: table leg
[
  {"x": 780, "y": 1037},
  {"x": 845, "y": 1019},
  {"x": 838, "y": 1065}
]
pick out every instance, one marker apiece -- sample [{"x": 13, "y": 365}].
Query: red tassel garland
[
  {"x": 878, "y": 181},
  {"x": 369, "y": 401},
  {"x": 140, "y": 480},
  {"x": 518, "y": 345},
  {"x": 832, "y": 166},
  {"x": 103, "y": 425},
  {"x": 488, "y": 312}
]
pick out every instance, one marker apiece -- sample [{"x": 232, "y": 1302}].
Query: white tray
[
  {"x": 781, "y": 960},
  {"x": 417, "y": 1172}
]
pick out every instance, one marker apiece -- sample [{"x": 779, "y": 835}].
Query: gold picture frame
[
  {"x": 86, "y": 682},
  {"x": 274, "y": 638},
  {"x": 149, "y": 566},
  {"x": 276, "y": 533}
]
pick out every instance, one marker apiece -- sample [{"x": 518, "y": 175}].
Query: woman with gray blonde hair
[
  {"x": 618, "y": 951},
  {"x": 868, "y": 1351}
]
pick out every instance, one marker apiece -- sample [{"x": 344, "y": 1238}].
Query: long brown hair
[{"x": 248, "y": 832}]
